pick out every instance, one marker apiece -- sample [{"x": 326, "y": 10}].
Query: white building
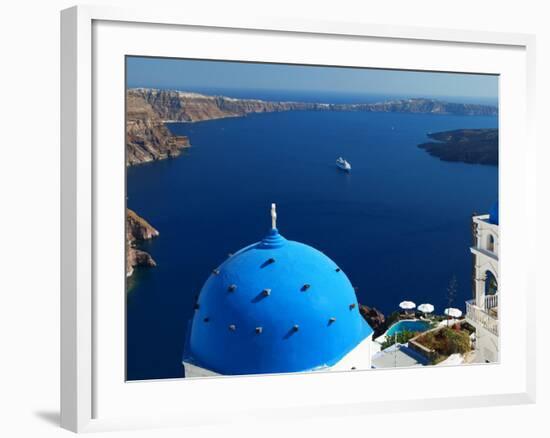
[{"x": 482, "y": 309}]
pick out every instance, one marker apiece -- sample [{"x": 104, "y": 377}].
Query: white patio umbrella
[
  {"x": 426, "y": 308},
  {"x": 453, "y": 312},
  {"x": 407, "y": 305}
]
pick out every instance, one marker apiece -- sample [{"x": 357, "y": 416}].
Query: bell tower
[{"x": 482, "y": 310}]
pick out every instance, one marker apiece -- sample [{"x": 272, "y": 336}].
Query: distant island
[{"x": 474, "y": 146}]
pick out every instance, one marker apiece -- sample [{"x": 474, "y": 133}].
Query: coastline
[{"x": 149, "y": 110}]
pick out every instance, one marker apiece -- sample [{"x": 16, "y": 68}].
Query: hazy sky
[{"x": 204, "y": 75}]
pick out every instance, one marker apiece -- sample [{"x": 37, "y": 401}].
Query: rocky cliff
[
  {"x": 147, "y": 138},
  {"x": 179, "y": 106},
  {"x": 137, "y": 229},
  {"x": 375, "y": 318}
]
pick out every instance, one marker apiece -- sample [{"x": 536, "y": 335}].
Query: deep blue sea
[{"x": 398, "y": 224}]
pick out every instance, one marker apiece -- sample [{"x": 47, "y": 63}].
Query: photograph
[{"x": 292, "y": 218}]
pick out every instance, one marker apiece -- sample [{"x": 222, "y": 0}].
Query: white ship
[{"x": 343, "y": 164}]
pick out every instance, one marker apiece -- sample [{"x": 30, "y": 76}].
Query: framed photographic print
[{"x": 344, "y": 209}]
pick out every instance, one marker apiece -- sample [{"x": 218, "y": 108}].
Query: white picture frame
[{"x": 93, "y": 397}]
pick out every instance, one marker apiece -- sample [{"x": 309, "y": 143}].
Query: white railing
[
  {"x": 480, "y": 316},
  {"x": 491, "y": 301}
]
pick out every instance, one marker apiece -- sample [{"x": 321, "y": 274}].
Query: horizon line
[{"x": 399, "y": 96}]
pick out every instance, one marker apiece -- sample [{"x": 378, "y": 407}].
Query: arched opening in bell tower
[
  {"x": 491, "y": 284},
  {"x": 490, "y": 243}
]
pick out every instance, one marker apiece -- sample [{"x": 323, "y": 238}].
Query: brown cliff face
[
  {"x": 147, "y": 138},
  {"x": 375, "y": 318},
  {"x": 179, "y": 106},
  {"x": 137, "y": 229}
]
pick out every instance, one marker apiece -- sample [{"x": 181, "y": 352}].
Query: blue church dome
[
  {"x": 493, "y": 214},
  {"x": 275, "y": 306}
]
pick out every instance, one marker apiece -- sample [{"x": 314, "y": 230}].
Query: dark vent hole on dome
[
  {"x": 266, "y": 292},
  {"x": 331, "y": 320},
  {"x": 268, "y": 262},
  {"x": 206, "y": 319},
  {"x": 232, "y": 327},
  {"x": 305, "y": 287},
  {"x": 216, "y": 271},
  {"x": 338, "y": 269},
  {"x": 259, "y": 330},
  {"x": 232, "y": 288},
  {"x": 352, "y": 306},
  {"x": 292, "y": 331}
]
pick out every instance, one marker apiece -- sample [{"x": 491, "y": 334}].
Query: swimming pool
[{"x": 408, "y": 325}]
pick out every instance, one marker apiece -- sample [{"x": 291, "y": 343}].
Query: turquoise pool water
[{"x": 412, "y": 326}]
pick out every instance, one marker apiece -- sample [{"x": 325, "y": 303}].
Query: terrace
[{"x": 484, "y": 313}]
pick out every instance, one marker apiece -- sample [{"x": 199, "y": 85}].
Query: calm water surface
[{"x": 398, "y": 225}]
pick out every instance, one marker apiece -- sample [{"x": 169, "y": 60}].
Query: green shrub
[
  {"x": 401, "y": 338},
  {"x": 447, "y": 341},
  {"x": 458, "y": 341}
]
